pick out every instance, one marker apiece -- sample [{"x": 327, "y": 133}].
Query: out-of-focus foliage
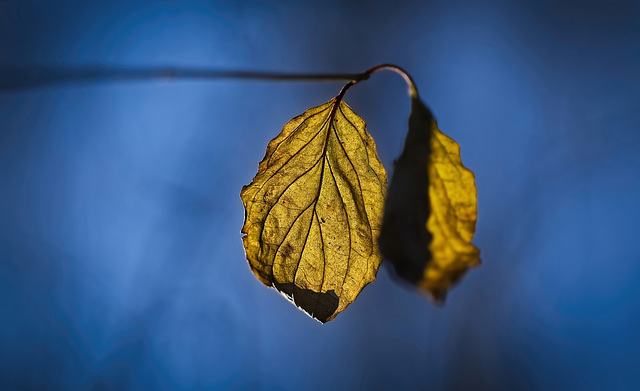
[
  {"x": 430, "y": 213},
  {"x": 314, "y": 209}
]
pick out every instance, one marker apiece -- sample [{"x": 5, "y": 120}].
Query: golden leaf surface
[
  {"x": 314, "y": 210},
  {"x": 431, "y": 208}
]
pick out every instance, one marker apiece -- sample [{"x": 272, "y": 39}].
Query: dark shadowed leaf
[{"x": 430, "y": 212}]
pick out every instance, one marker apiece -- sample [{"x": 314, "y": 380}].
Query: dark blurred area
[{"x": 121, "y": 263}]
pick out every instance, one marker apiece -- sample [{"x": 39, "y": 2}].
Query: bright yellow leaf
[
  {"x": 430, "y": 213},
  {"x": 314, "y": 209}
]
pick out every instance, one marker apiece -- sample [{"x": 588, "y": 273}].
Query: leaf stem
[{"x": 413, "y": 89}]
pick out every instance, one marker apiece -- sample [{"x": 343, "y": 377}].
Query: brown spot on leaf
[{"x": 287, "y": 250}]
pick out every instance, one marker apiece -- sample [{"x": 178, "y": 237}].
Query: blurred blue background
[{"x": 122, "y": 265}]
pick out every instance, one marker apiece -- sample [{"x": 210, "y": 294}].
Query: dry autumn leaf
[
  {"x": 314, "y": 209},
  {"x": 430, "y": 212}
]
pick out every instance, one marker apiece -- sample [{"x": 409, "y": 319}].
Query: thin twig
[{"x": 16, "y": 78}]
